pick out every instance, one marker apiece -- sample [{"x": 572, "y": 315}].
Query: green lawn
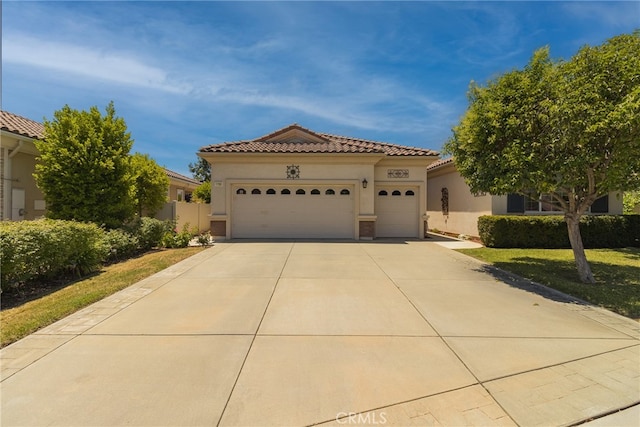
[
  {"x": 20, "y": 321},
  {"x": 617, "y": 272}
]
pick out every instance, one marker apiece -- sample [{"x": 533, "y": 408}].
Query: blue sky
[{"x": 188, "y": 74}]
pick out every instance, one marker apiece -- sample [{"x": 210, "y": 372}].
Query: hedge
[
  {"x": 598, "y": 231},
  {"x": 48, "y": 248}
]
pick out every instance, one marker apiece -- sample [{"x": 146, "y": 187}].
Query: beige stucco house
[
  {"x": 20, "y": 198},
  {"x": 453, "y": 209},
  {"x": 180, "y": 187},
  {"x": 297, "y": 183}
]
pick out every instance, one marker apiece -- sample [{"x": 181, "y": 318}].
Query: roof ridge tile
[{"x": 329, "y": 143}]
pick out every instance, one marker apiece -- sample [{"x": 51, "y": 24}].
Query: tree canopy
[
  {"x": 202, "y": 193},
  {"x": 569, "y": 129},
  {"x": 201, "y": 170},
  {"x": 150, "y": 184},
  {"x": 83, "y": 167}
]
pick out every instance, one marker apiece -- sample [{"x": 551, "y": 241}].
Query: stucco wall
[
  {"x": 464, "y": 207},
  {"x": 193, "y": 214},
  {"x": 224, "y": 174},
  {"x": 330, "y": 169},
  {"x": 22, "y": 169}
]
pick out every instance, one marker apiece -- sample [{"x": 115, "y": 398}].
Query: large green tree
[
  {"x": 84, "y": 166},
  {"x": 150, "y": 184},
  {"x": 569, "y": 129}
]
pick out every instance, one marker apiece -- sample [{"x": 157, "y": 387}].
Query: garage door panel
[
  {"x": 293, "y": 215},
  {"x": 397, "y": 212}
]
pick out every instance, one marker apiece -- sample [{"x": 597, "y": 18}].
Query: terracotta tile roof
[
  {"x": 297, "y": 139},
  {"x": 439, "y": 163},
  {"x": 176, "y": 175},
  {"x": 19, "y": 125}
]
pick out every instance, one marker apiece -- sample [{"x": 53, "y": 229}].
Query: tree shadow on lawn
[
  {"x": 631, "y": 253},
  {"x": 617, "y": 287},
  {"x": 38, "y": 288},
  {"x": 33, "y": 290}
]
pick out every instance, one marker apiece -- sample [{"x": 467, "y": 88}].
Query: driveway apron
[{"x": 326, "y": 333}]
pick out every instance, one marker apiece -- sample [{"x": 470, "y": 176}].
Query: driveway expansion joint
[{"x": 497, "y": 355}]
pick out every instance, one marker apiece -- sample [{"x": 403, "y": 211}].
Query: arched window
[
  {"x": 345, "y": 192},
  {"x": 300, "y": 191},
  {"x": 329, "y": 192},
  {"x": 241, "y": 191},
  {"x": 396, "y": 193},
  {"x": 285, "y": 191},
  {"x": 256, "y": 191},
  {"x": 382, "y": 193},
  {"x": 315, "y": 191},
  {"x": 271, "y": 191},
  {"x": 409, "y": 193}
]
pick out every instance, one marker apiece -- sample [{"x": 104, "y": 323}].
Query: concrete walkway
[{"x": 307, "y": 333}]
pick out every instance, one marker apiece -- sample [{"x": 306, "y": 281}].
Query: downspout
[{"x": 17, "y": 149}]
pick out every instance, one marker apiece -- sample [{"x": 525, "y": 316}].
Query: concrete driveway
[{"x": 306, "y": 333}]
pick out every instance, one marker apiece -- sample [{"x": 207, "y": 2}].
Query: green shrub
[
  {"x": 148, "y": 231},
  {"x": 122, "y": 245},
  {"x": 48, "y": 248},
  {"x": 175, "y": 239},
  {"x": 550, "y": 232}
]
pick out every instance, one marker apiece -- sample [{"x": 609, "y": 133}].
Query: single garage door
[
  {"x": 303, "y": 211},
  {"x": 397, "y": 211}
]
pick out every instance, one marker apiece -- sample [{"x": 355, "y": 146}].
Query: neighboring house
[
  {"x": 453, "y": 209},
  {"x": 180, "y": 187},
  {"x": 297, "y": 183},
  {"x": 20, "y": 198},
  {"x": 178, "y": 208}
]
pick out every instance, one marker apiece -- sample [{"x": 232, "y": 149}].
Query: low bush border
[{"x": 550, "y": 232}]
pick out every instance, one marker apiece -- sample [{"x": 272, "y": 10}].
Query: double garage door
[{"x": 303, "y": 211}]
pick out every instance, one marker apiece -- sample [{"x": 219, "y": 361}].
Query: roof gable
[
  {"x": 175, "y": 175},
  {"x": 293, "y": 133},
  {"x": 440, "y": 163},
  {"x": 294, "y": 139},
  {"x": 20, "y": 125}
]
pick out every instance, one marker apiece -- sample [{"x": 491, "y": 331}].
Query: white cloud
[
  {"x": 613, "y": 13},
  {"x": 87, "y": 62}
]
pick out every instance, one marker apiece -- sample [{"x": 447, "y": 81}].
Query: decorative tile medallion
[
  {"x": 293, "y": 172},
  {"x": 397, "y": 173}
]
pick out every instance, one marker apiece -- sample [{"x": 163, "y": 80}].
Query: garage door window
[
  {"x": 396, "y": 193},
  {"x": 382, "y": 193},
  {"x": 315, "y": 191},
  {"x": 285, "y": 191},
  {"x": 271, "y": 191},
  {"x": 409, "y": 193},
  {"x": 300, "y": 191},
  {"x": 256, "y": 191},
  {"x": 345, "y": 192},
  {"x": 329, "y": 192},
  {"x": 241, "y": 191}
]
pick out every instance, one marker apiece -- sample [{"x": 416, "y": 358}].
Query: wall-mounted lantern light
[{"x": 364, "y": 183}]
